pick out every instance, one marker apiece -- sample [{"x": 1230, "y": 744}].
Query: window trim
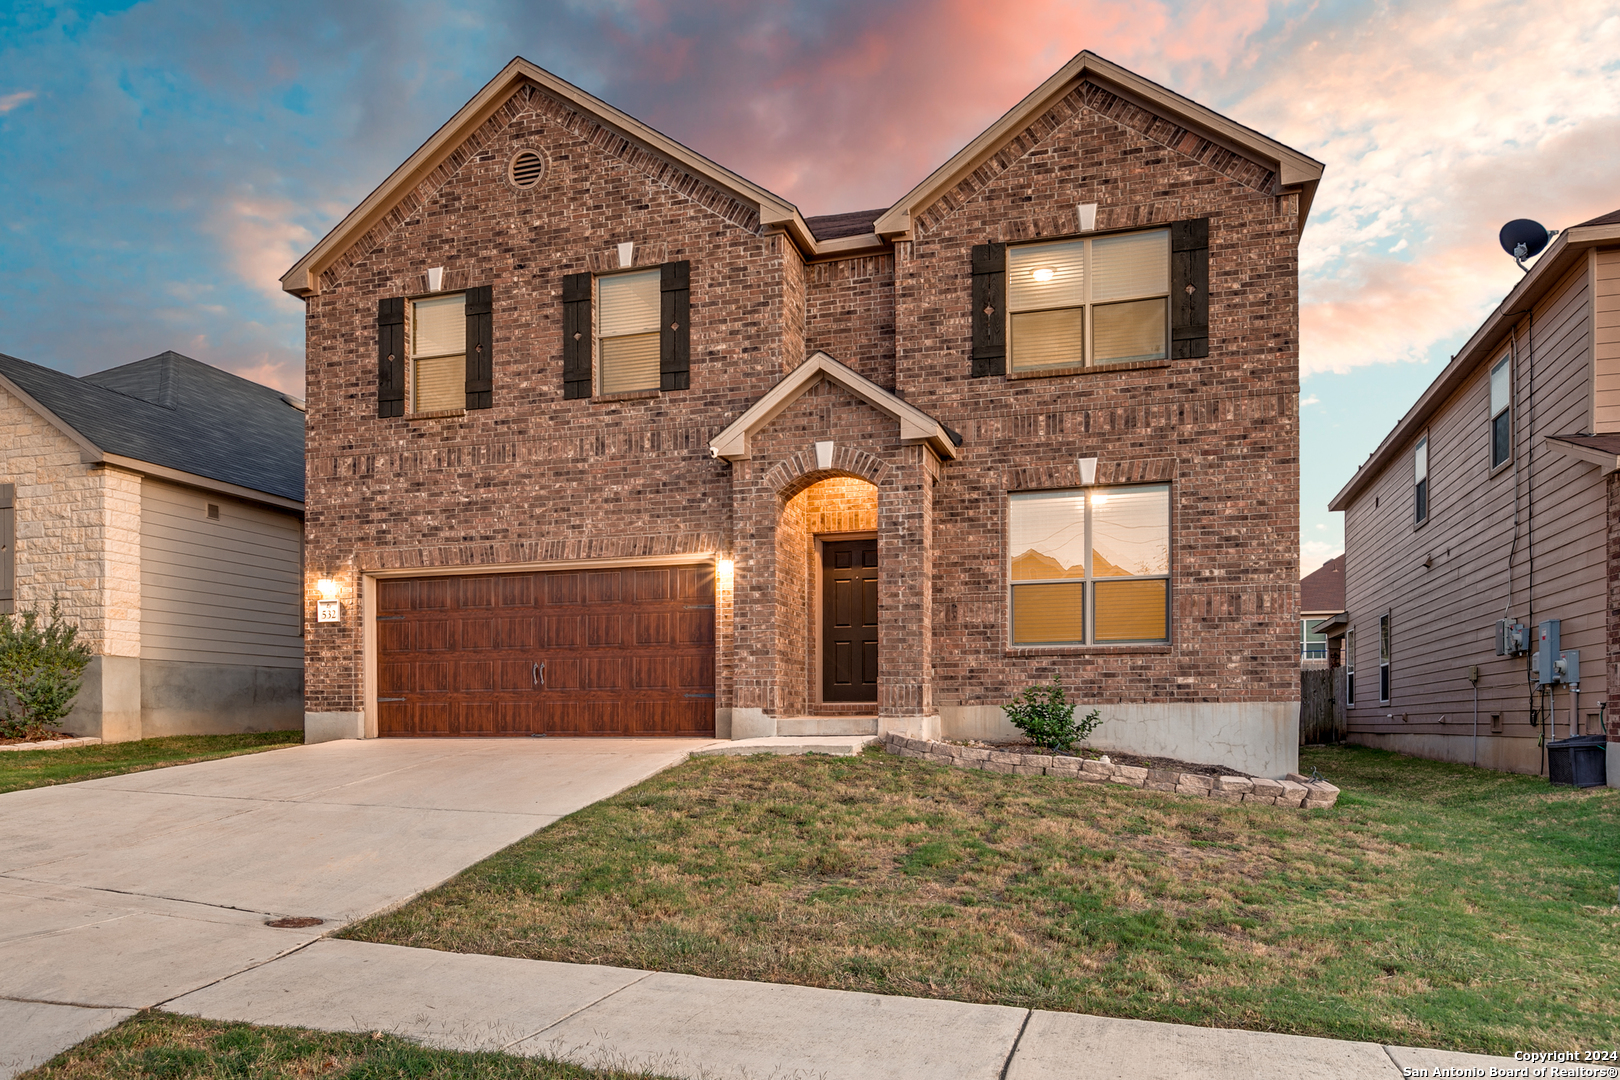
[
  {"x": 1422, "y": 489},
  {"x": 1386, "y": 656},
  {"x": 1088, "y": 582},
  {"x": 1491, "y": 416},
  {"x": 1350, "y": 667},
  {"x": 1088, "y": 360},
  {"x": 598, "y": 339},
  {"x": 412, "y": 412}
]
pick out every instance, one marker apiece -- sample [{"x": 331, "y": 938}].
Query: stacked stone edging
[
  {"x": 53, "y": 744},
  {"x": 1296, "y": 791}
]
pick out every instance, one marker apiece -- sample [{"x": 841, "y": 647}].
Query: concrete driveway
[{"x": 122, "y": 893}]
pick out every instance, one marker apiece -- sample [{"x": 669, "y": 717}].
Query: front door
[{"x": 849, "y": 620}]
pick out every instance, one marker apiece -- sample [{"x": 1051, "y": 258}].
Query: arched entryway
[{"x": 827, "y": 543}]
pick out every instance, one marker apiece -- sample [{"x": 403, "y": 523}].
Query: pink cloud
[{"x": 9, "y": 102}]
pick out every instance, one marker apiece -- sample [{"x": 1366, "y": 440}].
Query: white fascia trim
[
  {"x": 1607, "y": 462},
  {"x": 732, "y": 443},
  {"x": 203, "y": 483}
]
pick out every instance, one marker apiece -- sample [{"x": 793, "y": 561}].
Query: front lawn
[
  {"x": 40, "y": 768},
  {"x": 155, "y": 1044},
  {"x": 1435, "y": 905}
]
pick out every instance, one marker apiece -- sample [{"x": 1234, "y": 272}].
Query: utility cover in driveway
[{"x": 627, "y": 651}]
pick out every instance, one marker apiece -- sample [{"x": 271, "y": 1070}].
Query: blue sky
[{"x": 162, "y": 163}]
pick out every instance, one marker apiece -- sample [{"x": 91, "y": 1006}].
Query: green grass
[
  {"x": 1435, "y": 905},
  {"x": 159, "y": 1046},
  {"x": 41, "y": 768}
]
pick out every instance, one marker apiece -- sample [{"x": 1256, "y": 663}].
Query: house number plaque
[{"x": 328, "y": 611}]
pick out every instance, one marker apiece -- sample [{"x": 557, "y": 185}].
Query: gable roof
[
  {"x": 1323, "y": 588},
  {"x": 304, "y": 277},
  {"x": 1561, "y": 256},
  {"x": 732, "y": 443},
  {"x": 1292, "y": 168},
  {"x": 176, "y": 413}
]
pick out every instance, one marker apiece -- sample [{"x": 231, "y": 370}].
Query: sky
[{"x": 163, "y": 163}]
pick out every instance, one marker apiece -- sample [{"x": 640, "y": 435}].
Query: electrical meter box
[
  {"x": 1546, "y": 660},
  {"x": 1569, "y": 667},
  {"x": 1512, "y": 639}
]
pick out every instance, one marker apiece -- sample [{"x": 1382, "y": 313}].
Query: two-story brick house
[{"x": 604, "y": 438}]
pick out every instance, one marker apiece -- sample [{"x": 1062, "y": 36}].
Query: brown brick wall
[
  {"x": 539, "y": 479},
  {"x": 1223, "y": 430}
]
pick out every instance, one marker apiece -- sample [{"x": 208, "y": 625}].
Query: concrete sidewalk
[
  {"x": 684, "y": 1026},
  {"x": 126, "y": 892}
]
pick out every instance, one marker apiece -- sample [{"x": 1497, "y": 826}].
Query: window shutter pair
[
  {"x": 674, "y": 331},
  {"x": 480, "y": 370},
  {"x": 1189, "y": 289},
  {"x": 1189, "y": 298},
  {"x": 8, "y": 548}
]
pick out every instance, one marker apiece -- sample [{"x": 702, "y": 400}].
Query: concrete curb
[{"x": 1295, "y": 792}]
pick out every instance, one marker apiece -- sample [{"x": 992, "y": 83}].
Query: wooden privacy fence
[{"x": 1321, "y": 706}]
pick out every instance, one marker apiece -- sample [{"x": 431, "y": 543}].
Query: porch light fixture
[
  {"x": 327, "y": 588},
  {"x": 1088, "y": 470},
  {"x": 724, "y": 567}
]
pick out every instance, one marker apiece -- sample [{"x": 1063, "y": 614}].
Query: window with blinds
[
  {"x": 1096, "y": 301},
  {"x": 439, "y": 353},
  {"x": 1090, "y": 567},
  {"x": 627, "y": 331}
]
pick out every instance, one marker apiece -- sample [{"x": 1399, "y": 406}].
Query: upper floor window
[
  {"x": 1501, "y": 412},
  {"x": 1384, "y": 651},
  {"x": 1095, "y": 301},
  {"x": 439, "y": 353},
  {"x": 1420, "y": 480},
  {"x": 628, "y": 328},
  {"x": 1091, "y": 566}
]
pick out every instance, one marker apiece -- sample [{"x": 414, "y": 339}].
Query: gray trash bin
[{"x": 1578, "y": 762}]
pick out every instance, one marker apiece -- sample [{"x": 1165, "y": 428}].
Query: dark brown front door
[
  {"x": 625, "y": 651},
  {"x": 849, "y": 620}
]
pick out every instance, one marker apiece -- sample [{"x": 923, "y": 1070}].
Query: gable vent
[{"x": 526, "y": 168}]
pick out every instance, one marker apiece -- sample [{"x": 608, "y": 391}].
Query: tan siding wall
[
  {"x": 1606, "y": 330},
  {"x": 218, "y": 592},
  {"x": 1444, "y": 614}
]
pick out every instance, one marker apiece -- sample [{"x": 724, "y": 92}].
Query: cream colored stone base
[
  {"x": 328, "y": 726},
  {"x": 52, "y": 744}
]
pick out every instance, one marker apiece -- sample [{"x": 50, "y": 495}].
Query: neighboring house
[
  {"x": 606, "y": 439},
  {"x": 1496, "y": 497},
  {"x": 1321, "y": 597},
  {"x": 161, "y": 504}
]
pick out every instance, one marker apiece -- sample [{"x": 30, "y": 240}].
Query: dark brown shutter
[
  {"x": 1189, "y": 289},
  {"x": 989, "y": 310},
  {"x": 391, "y": 356},
  {"x": 8, "y": 548},
  {"x": 480, "y": 347},
  {"x": 674, "y": 336},
  {"x": 576, "y": 335}
]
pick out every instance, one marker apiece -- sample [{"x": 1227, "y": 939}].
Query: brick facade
[{"x": 537, "y": 480}]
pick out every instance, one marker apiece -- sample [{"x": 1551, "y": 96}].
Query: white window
[
  {"x": 1090, "y": 567},
  {"x": 1350, "y": 669},
  {"x": 1501, "y": 412},
  {"x": 1098, "y": 301},
  {"x": 1420, "y": 481},
  {"x": 439, "y": 353},
  {"x": 1384, "y": 651},
  {"x": 627, "y": 326}
]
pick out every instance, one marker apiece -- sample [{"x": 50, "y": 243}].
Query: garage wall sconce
[{"x": 328, "y": 609}]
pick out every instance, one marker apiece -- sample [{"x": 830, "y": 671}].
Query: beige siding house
[
  {"x": 1495, "y": 498},
  {"x": 161, "y": 505}
]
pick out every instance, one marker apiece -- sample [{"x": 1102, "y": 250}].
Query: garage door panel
[{"x": 626, "y": 652}]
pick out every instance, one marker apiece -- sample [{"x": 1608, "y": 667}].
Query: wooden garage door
[{"x": 570, "y": 652}]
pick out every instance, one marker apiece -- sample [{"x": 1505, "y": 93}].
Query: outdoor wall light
[
  {"x": 327, "y": 588},
  {"x": 724, "y": 567}
]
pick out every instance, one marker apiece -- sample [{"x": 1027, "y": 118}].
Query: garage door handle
[{"x": 537, "y": 675}]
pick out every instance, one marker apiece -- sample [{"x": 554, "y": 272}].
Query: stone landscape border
[
  {"x": 53, "y": 744},
  {"x": 1297, "y": 791}
]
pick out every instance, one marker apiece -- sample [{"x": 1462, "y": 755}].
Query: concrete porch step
[
  {"x": 836, "y": 745},
  {"x": 827, "y": 725}
]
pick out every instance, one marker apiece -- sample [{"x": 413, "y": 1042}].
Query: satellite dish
[{"x": 1524, "y": 239}]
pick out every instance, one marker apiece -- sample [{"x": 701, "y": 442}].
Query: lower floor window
[{"x": 1090, "y": 566}]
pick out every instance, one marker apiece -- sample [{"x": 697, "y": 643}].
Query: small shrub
[
  {"x": 41, "y": 662},
  {"x": 1044, "y": 714}
]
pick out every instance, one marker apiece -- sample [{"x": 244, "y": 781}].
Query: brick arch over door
[{"x": 798, "y": 471}]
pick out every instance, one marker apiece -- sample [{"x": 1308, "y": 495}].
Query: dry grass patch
[
  {"x": 161, "y": 1046},
  {"x": 1434, "y": 904}
]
